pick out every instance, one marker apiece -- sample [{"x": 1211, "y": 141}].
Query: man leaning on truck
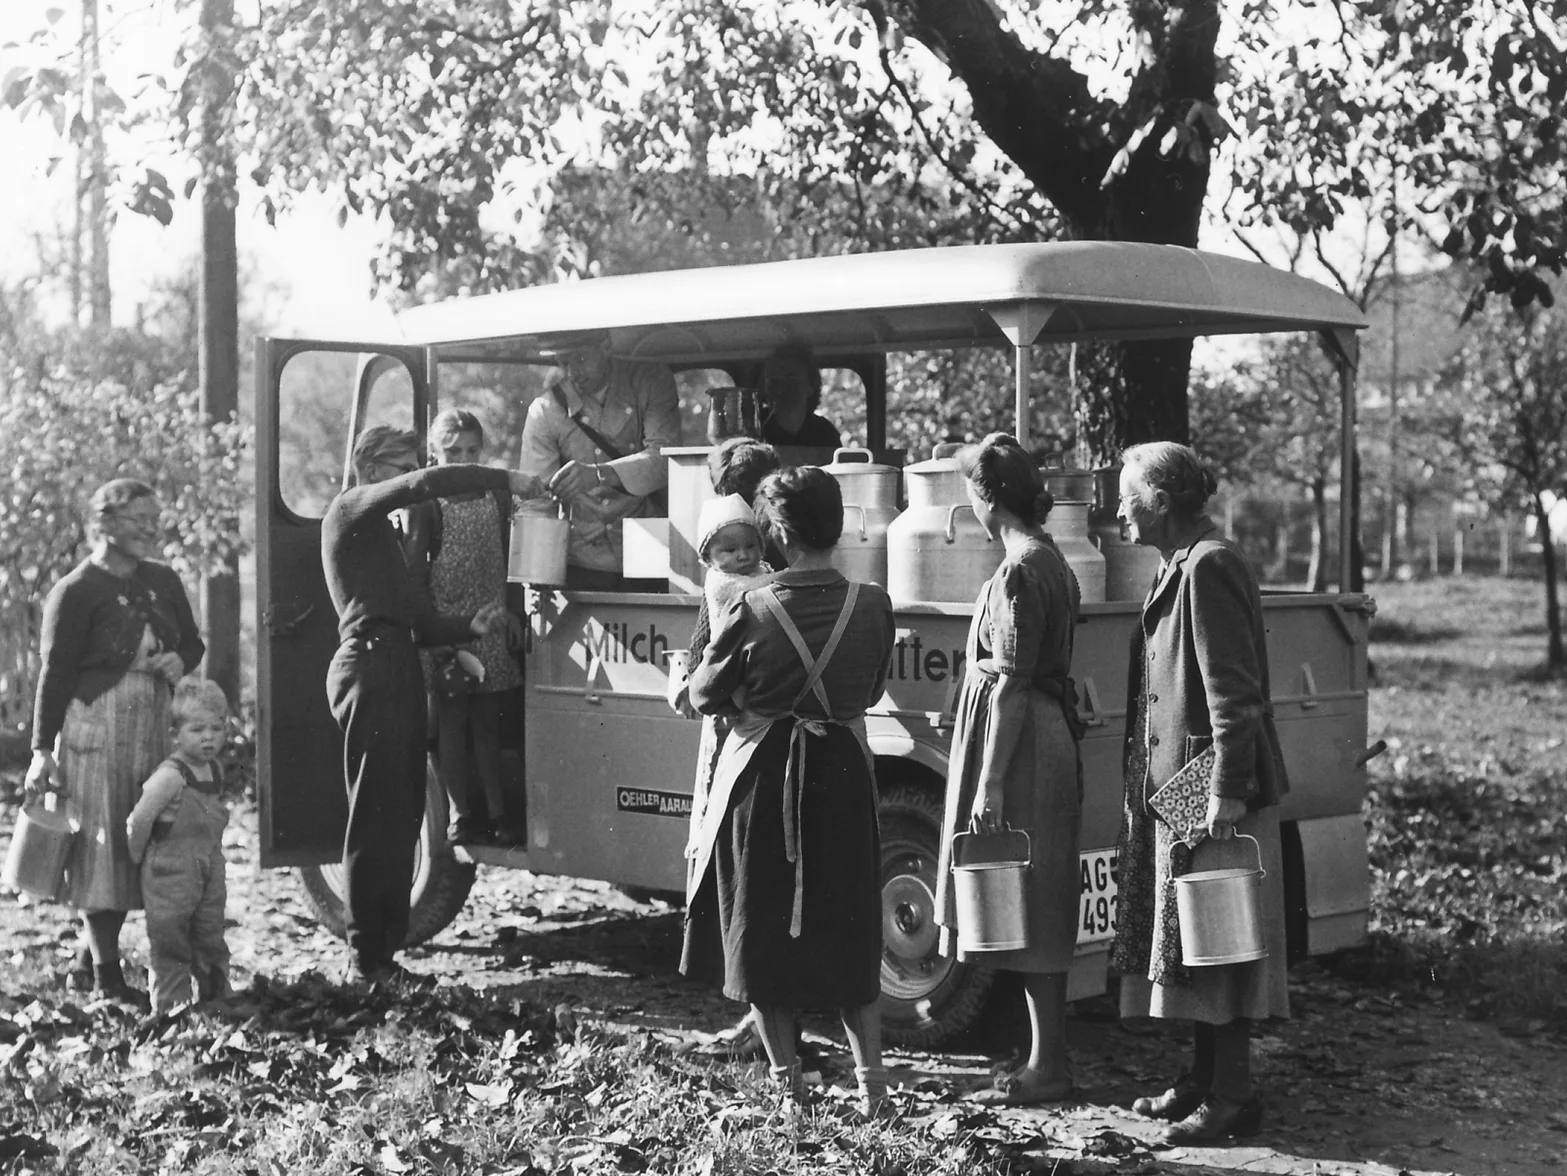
[{"x": 597, "y": 436}]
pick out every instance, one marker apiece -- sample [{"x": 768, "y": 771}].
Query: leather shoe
[
  {"x": 1217, "y": 1118},
  {"x": 1174, "y": 1104}
]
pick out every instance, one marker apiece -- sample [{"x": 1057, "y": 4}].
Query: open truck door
[{"x": 312, "y": 400}]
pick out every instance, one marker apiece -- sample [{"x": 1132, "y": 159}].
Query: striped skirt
[{"x": 106, "y": 751}]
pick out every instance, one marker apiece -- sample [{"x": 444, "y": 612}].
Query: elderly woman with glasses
[
  {"x": 118, "y": 632},
  {"x": 375, "y": 683}
]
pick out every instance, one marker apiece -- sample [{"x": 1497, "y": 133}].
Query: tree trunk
[
  {"x": 1555, "y": 653},
  {"x": 218, "y": 331},
  {"x": 97, "y": 178},
  {"x": 1043, "y": 115},
  {"x": 1317, "y": 576}
]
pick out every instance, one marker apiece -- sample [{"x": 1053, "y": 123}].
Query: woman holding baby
[
  {"x": 118, "y": 632},
  {"x": 785, "y": 888}
]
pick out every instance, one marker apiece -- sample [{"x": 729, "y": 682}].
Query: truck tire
[
  {"x": 926, "y": 998},
  {"x": 440, "y": 886}
]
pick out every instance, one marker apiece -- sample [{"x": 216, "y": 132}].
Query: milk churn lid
[
  {"x": 943, "y": 459},
  {"x": 852, "y": 461}
]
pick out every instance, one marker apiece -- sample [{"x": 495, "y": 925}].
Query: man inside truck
[{"x": 597, "y": 435}]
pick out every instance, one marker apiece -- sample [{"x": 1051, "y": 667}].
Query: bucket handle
[
  {"x": 864, "y": 535},
  {"x": 1257, "y": 845},
  {"x": 55, "y": 799},
  {"x": 1028, "y": 844}
]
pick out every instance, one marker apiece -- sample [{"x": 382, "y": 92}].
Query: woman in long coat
[
  {"x": 118, "y": 632},
  {"x": 785, "y": 892},
  {"x": 1198, "y": 683},
  {"x": 1014, "y": 751}
]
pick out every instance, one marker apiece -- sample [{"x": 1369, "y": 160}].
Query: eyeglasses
[
  {"x": 399, "y": 467},
  {"x": 146, "y": 523}
]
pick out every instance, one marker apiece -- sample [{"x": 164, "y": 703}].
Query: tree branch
[{"x": 1036, "y": 108}]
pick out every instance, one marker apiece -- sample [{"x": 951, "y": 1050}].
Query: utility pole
[
  {"x": 218, "y": 331},
  {"x": 1391, "y": 518}
]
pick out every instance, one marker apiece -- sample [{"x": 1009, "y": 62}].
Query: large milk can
[
  {"x": 936, "y": 549},
  {"x": 1073, "y": 491},
  {"x": 870, "y": 504},
  {"x": 1129, "y": 567}
]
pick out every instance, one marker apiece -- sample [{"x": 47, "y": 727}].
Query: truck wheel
[
  {"x": 440, "y": 886},
  {"x": 926, "y": 998}
]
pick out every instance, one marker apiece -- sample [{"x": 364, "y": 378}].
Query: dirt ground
[{"x": 1358, "y": 1081}]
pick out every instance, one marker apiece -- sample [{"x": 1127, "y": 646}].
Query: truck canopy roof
[{"x": 903, "y": 300}]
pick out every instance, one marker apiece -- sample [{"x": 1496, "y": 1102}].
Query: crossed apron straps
[{"x": 794, "y": 768}]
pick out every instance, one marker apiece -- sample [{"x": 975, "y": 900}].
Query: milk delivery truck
[{"x": 596, "y": 758}]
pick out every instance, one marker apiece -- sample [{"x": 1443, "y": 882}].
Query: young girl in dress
[{"x": 458, "y": 547}]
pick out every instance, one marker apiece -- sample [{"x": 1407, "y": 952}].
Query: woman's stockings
[
  {"x": 863, "y": 1027},
  {"x": 101, "y": 929},
  {"x": 1046, "y": 995},
  {"x": 1231, "y": 1054},
  {"x": 776, "y": 1026}
]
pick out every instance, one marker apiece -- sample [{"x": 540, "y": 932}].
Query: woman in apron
[
  {"x": 784, "y": 902},
  {"x": 1014, "y": 760}
]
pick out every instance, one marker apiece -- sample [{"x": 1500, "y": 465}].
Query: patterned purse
[{"x": 1182, "y": 803}]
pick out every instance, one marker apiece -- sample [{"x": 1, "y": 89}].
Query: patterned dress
[
  {"x": 469, "y": 572},
  {"x": 1023, "y": 625}
]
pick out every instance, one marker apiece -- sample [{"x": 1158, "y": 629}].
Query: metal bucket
[
  {"x": 1221, "y": 914},
  {"x": 40, "y": 844},
  {"x": 538, "y": 549},
  {"x": 992, "y": 906}
]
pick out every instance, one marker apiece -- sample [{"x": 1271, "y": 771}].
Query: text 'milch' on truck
[{"x": 601, "y": 765}]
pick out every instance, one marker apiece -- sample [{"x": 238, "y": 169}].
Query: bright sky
[{"x": 313, "y": 278}]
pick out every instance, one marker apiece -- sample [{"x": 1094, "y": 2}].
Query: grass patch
[
  {"x": 311, "y": 1077},
  {"x": 1468, "y": 851}
]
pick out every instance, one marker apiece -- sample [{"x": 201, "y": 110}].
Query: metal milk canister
[
  {"x": 1073, "y": 491},
  {"x": 870, "y": 504},
  {"x": 936, "y": 549},
  {"x": 1129, "y": 568}
]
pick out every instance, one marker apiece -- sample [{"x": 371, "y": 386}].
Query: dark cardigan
[{"x": 92, "y": 627}]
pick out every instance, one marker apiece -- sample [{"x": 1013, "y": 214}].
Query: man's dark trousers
[{"x": 376, "y": 691}]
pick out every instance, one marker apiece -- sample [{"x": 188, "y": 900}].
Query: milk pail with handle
[
  {"x": 40, "y": 844},
  {"x": 538, "y": 548},
  {"x": 1221, "y": 914},
  {"x": 992, "y": 906}
]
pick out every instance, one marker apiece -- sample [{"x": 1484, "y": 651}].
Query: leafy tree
[
  {"x": 76, "y": 409},
  {"x": 1274, "y": 424},
  {"x": 1506, "y": 413},
  {"x": 899, "y": 122}
]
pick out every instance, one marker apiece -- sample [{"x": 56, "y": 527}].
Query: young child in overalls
[{"x": 176, "y": 834}]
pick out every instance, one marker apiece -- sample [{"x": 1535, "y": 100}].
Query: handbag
[{"x": 1182, "y": 803}]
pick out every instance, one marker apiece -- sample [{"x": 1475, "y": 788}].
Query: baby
[{"x": 730, "y": 547}]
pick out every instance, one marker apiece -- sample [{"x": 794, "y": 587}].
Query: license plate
[{"x": 1096, "y": 902}]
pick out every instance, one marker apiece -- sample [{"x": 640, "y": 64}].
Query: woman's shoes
[
  {"x": 1174, "y": 1104},
  {"x": 109, "y": 984},
  {"x": 1024, "y": 1088},
  {"x": 1215, "y": 1118},
  {"x": 80, "y": 977}
]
